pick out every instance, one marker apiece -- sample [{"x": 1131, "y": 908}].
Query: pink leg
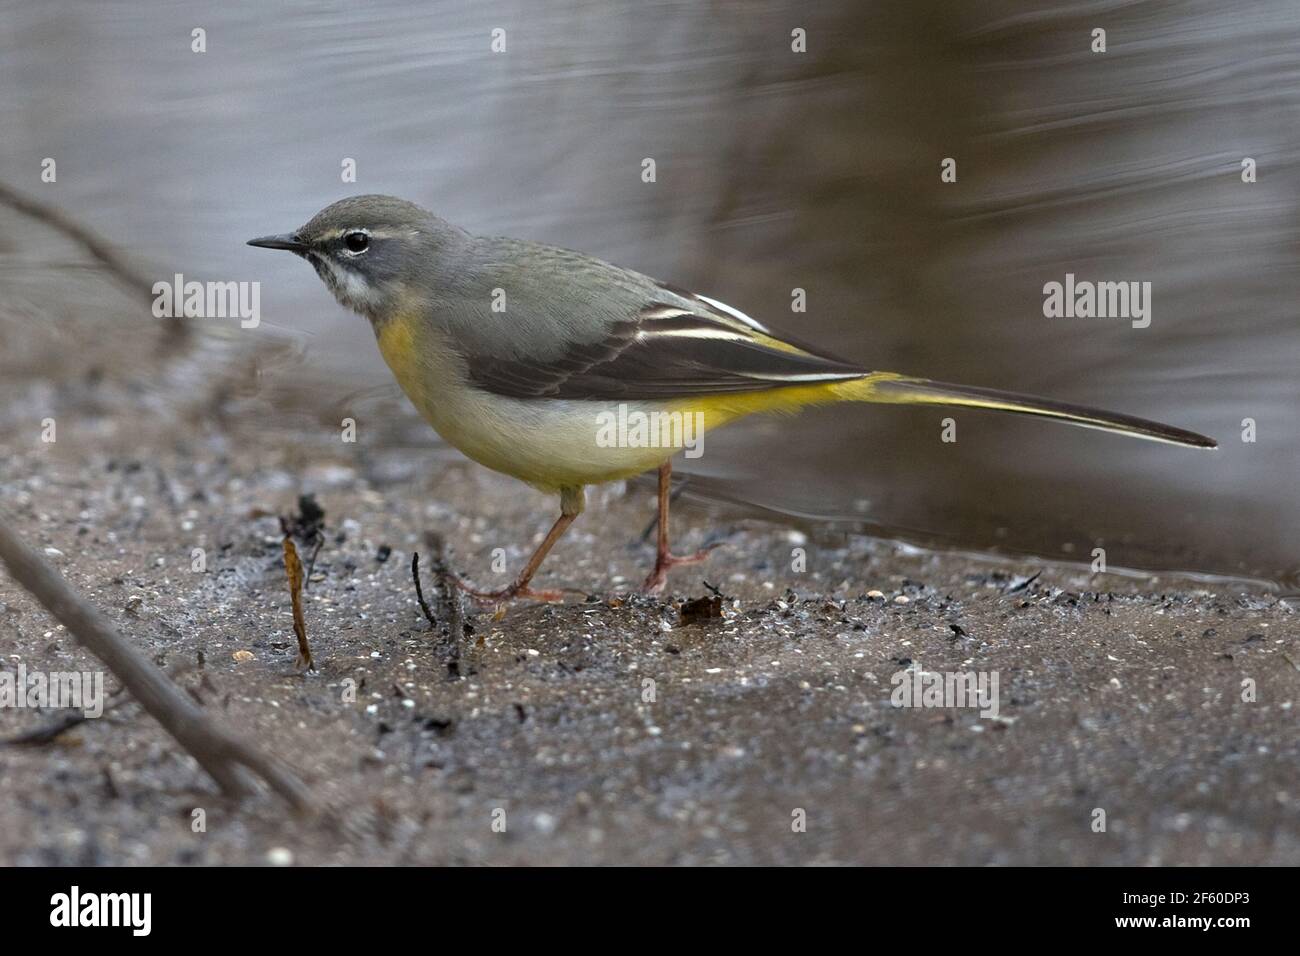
[
  {"x": 664, "y": 560},
  {"x": 571, "y": 503}
]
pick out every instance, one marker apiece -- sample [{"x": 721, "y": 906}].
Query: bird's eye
[{"x": 356, "y": 242}]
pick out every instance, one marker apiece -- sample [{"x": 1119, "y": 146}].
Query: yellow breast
[
  {"x": 397, "y": 345},
  {"x": 550, "y": 444}
]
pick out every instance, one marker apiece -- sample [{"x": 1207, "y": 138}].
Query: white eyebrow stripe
[{"x": 373, "y": 233}]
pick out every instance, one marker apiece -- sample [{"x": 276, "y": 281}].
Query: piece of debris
[
  {"x": 383, "y": 554},
  {"x": 715, "y": 591},
  {"x": 110, "y": 785},
  {"x": 242, "y": 656},
  {"x": 308, "y": 527},
  {"x": 419, "y": 591},
  {"x": 701, "y": 609},
  {"x": 308, "y": 524},
  {"x": 442, "y": 726},
  {"x": 1023, "y": 584},
  {"x": 54, "y": 730},
  {"x": 450, "y": 598},
  {"x": 293, "y": 567}
]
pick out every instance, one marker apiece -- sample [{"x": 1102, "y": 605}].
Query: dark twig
[
  {"x": 311, "y": 562},
  {"x": 451, "y": 599},
  {"x": 1024, "y": 584},
  {"x": 419, "y": 591},
  {"x": 114, "y": 792},
  {"x": 39, "y": 736},
  {"x": 227, "y": 758}
]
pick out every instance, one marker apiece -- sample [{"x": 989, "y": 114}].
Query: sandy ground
[{"x": 606, "y": 730}]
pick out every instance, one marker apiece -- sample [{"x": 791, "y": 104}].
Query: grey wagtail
[{"x": 518, "y": 354}]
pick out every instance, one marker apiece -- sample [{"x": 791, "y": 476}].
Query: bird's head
[{"x": 369, "y": 250}]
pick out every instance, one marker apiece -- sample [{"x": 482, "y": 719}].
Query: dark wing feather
[{"x": 667, "y": 351}]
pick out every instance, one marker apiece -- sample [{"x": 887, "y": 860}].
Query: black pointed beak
[{"x": 287, "y": 241}]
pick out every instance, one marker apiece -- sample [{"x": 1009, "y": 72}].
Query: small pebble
[{"x": 279, "y": 856}]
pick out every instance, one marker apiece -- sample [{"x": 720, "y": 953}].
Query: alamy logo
[
  {"x": 82, "y": 690},
  {"x": 631, "y": 428},
  {"x": 208, "y": 300},
  {"x": 1099, "y": 300},
  {"x": 103, "y": 909},
  {"x": 915, "y": 687}
]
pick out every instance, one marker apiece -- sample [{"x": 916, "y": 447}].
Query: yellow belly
[
  {"x": 548, "y": 444},
  {"x": 557, "y": 443}
]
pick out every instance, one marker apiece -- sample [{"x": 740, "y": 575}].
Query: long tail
[{"x": 892, "y": 388}]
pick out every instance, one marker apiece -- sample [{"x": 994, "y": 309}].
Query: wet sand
[{"x": 605, "y": 730}]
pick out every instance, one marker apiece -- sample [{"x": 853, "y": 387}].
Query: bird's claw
[
  {"x": 511, "y": 593},
  {"x": 654, "y": 584}
]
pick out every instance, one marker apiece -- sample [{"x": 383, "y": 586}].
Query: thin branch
[
  {"x": 100, "y": 249},
  {"x": 451, "y": 599},
  {"x": 55, "y": 729},
  {"x": 225, "y": 757},
  {"x": 419, "y": 591}
]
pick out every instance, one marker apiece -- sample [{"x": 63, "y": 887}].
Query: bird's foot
[
  {"x": 665, "y": 562},
  {"x": 518, "y": 590}
]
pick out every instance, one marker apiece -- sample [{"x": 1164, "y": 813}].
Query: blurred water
[{"x": 775, "y": 170}]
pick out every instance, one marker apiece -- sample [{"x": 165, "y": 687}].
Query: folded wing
[{"x": 684, "y": 345}]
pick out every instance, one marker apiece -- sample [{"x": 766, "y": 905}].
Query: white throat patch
[{"x": 349, "y": 287}]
